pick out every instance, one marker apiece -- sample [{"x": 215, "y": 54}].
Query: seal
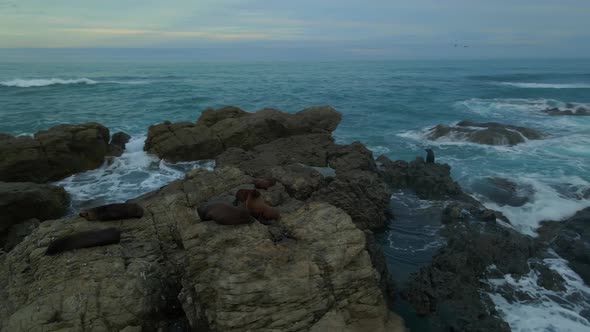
[
  {"x": 264, "y": 183},
  {"x": 429, "y": 156},
  {"x": 115, "y": 211},
  {"x": 224, "y": 214},
  {"x": 242, "y": 196},
  {"x": 88, "y": 239},
  {"x": 258, "y": 207}
]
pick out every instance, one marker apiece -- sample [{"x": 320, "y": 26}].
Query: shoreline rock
[
  {"x": 579, "y": 111},
  {"x": 489, "y": 133},
  {"x": 53, "y": 154}
]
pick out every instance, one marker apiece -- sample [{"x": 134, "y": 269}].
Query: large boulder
[
  {"x": 23, "y": 201},
  {"x": 53, "y": 154},
  {"x": 489, "y": 133},
  {"x": 310, "y": 271},
  {"x": 231, "y": 127}
]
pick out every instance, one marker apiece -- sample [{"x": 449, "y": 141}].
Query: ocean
[{"x": 389, "y": 106}]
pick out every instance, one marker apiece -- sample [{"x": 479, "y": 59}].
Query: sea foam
[
  {"x": 40, "y": 82},
  {"x": 525, "y": 85},
  {"x": 128, "y": 176}
]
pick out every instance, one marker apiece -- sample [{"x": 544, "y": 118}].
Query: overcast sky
[{"x": 366, "y": 29}]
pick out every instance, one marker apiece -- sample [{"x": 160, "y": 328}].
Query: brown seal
[
  {"x": 224, "y": 214},
  {"x": 94, "y": 238},
  {"x": 258, "y": 207},
  {"x": 264, "y": 183},
  {"x": 115, "y": 211}
]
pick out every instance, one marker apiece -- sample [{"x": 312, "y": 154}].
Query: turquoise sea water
[{"x": 386, "y": 105}]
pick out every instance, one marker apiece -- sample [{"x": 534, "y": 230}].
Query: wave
[
  {"x": 525, "y": 85},
  {"x": 40, "y": 82},
  {"x": 133, "y": 174}
]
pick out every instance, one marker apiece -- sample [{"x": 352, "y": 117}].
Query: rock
[
  {"x": 311, "y": 150},
  {"x": 20, "y": 201},
  {"x": 182, "y": 141},
  {"x": 211, "y": 116},
  {"x": 53, "y": 154},
  {"x": 187, "y": 141},
  {"x": 548, "y": 278},
  {"x": 355, "y": 156},
  {"x": 449, "y": 289},
  {"x": 312, "y": 272},
  {"x": 463, "y": 211},
  {"x": 15, "y": 234},
  {"x": 299, "y": 181},
  {"x": 4, "y": 136},
  {"x": 571, "y": 240},
  {"x": 580, "y": 111},
  {"x": 117, "y": 145},
  {"x": 363, "y": 195},
  {"x": 505, "y": 192},
  {"x": 429, "y": 181},
  {"x": 489, "y": 133}
]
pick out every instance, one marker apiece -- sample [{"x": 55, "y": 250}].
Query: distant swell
[
  {"x": 30, "y": 83},
  {"x": 547, "y": 85}
]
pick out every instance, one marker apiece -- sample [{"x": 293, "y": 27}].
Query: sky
[{"x": 256, "y": 29}]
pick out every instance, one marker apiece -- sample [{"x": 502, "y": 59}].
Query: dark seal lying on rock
[
  {"x": 86, "y": 239},
  {"x": 256, "y": 205},
  {"x": 116, "y": 211},
  {"x": 224, "y": 214}
]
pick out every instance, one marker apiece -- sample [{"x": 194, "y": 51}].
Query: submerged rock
[
  {"x": 579, "y": 111},
  {"x": 505, "y": 192},
  {"x": 309, "y": 271},
  {"x": 53, "y": 154},
  {"x": 231, "y": 127},
  {"x": 489, "y": 133}
]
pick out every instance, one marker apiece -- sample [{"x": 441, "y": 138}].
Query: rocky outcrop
[
  {"x": 118, "y": 142},
  {"x": 231, "y": 127},
  {"x": 53, "y": 154},
  {"x": 573, "y": 111},
  {"x": 308, "y": 271},
  {"x": 429, "y": 181},
  {"x": 489, "y": 133}
]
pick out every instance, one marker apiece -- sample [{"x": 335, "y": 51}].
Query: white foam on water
[
  {"x": 379, "y": 150},
  {"x": 544, "y": 310},
  {"x": 128, "y": 176},
  {"x": 547, "y": 203},
  {"x": 39, "y": 82},
  {"x": 526, "y": 85},
  {"x": 500, "y": 108}
]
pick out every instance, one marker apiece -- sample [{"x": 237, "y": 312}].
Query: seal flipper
[{"x": 88, "y": 239}]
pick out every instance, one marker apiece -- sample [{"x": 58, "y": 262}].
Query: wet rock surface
[
  {"x": 117, "y": 145},
  {"x": 489, "y": 133},
  {"x": 53, "y": 154}
]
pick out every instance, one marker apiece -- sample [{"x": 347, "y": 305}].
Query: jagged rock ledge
[{"x": 317, "y": 268}]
